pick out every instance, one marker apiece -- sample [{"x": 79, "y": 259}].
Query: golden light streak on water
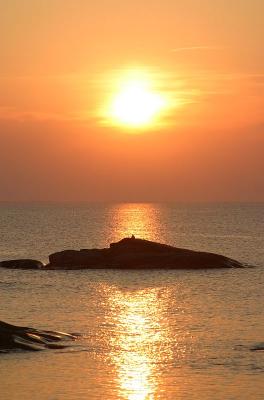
[
  {"x": 136, "y": 345},
  {"x": 141, "y": 220}
]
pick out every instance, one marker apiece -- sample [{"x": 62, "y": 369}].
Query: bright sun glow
[{"x": 136, "y": 104}]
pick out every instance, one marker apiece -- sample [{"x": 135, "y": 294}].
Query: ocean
[{"x": 146, "y": 335}]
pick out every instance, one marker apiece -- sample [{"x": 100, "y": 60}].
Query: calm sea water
[{"x": 147, "y": 334}]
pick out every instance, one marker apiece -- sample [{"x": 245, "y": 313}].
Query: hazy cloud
[{"x": 194, "y": 48}]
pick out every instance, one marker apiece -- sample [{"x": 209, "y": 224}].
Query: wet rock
[
  {"x": 21, "y": 264},
  {"x": 18, "y": 337},
  {"x": 258, "y": 347}
]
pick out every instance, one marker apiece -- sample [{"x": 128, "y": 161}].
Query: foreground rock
[
  {"x": 132, "y": 253},
  {"x": 21, "y": 264},
  {"x": 18, "y": 337},
  {"x": 258, "y": 347}
]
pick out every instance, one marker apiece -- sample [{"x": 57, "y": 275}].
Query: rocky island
[{"x": 129, "y": 253}]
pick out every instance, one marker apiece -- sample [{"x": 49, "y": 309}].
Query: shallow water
[{"x": 147, "y": 334}]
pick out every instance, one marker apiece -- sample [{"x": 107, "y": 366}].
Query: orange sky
[{"x": 60, "y": 60}]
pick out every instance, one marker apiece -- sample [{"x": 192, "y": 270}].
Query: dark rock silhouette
[
  {"x": 18, "y": 337},
  {"x": 132, "y": 253},
  {"x": 128, "y": 253},
  {"x": 258, "y": 347},
  {"x": 21, "y": 264}
]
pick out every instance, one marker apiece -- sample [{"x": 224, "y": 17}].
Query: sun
[{"x": 136, "y": 104}]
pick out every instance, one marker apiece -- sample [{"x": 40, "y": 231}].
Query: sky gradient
[{"x": 60, "y": 61}]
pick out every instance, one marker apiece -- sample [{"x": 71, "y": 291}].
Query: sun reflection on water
[
  {"x": 141, "y": 220},
  {"x": 136, "y": 342},
  {"x": 140, "y": 329}
]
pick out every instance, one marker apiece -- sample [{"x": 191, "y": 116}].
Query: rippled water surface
[{"x": 146, "y": 334}]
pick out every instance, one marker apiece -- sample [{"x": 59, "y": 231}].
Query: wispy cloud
[
  {"x": 197, "y": 48},
  {"x": 9, "y": 113},
  {"x": 12, "y": 114}
]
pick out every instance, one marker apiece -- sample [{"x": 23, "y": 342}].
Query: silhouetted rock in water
[
  {"x": 258, "y": 347},
  {"x": 132, "y": 253},
  {"x": 21, "y": 264},
  {"x": 18, "y": 337}
]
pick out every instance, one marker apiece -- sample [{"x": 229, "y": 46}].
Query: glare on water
[
  {"x": 141, "y": 220},
  {"x": 139, "y": 336}
]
